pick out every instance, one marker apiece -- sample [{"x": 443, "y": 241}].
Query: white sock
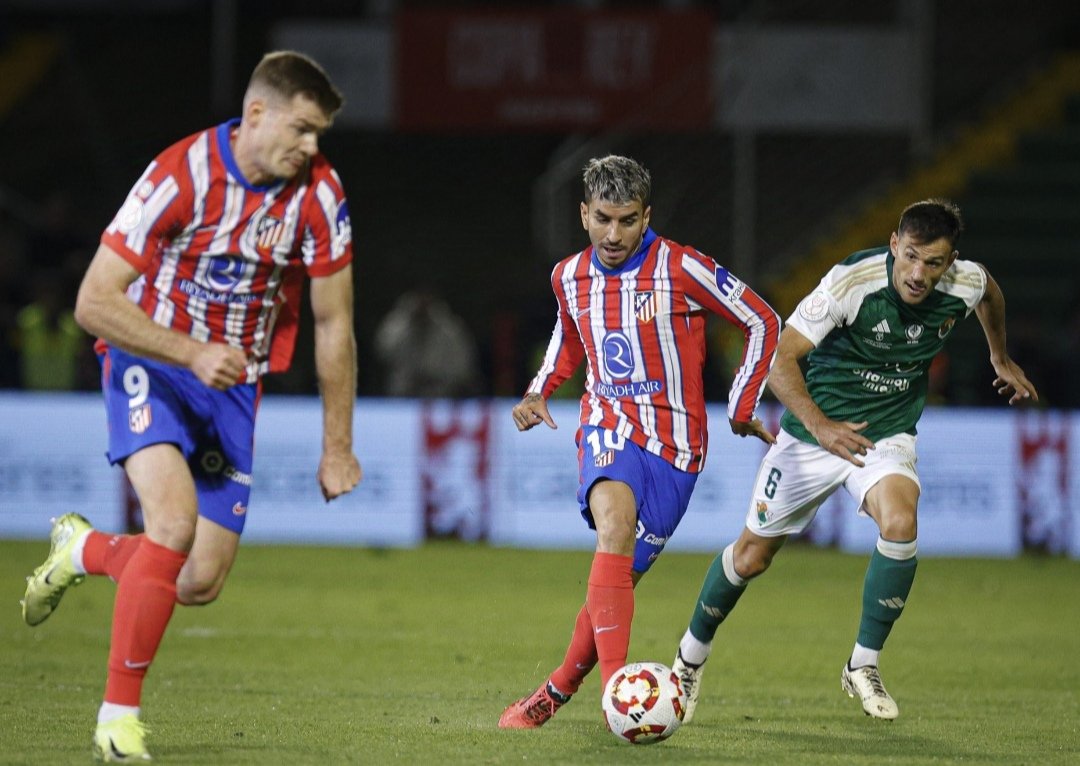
[
  {"x": 77, "y": 551},
  {"x": 861, "y": 657},
  {"x": 693, "y": 652},
  {"x": 110, "y": 712}
]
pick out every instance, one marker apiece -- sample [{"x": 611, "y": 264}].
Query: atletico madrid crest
[
  {"x": 139, "y": 418},
  {"x": 269, "y": 233},
  {"x": 645, "y": 306}
]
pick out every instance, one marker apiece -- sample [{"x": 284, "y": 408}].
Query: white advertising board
[{"x": 994, "y": 481}]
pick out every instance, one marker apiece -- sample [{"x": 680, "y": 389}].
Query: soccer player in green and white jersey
[{"x": 871, "y": 329}]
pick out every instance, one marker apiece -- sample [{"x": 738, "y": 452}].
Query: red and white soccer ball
[{"x": 644, "y": 702}]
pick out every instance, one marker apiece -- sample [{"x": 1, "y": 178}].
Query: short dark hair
[
  {"x": 288, "y": 73},
  {"x": 616, "y": 179},
  {"x": 930, "y": 220}
]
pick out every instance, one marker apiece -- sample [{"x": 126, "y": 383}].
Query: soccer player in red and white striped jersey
[
  {"x": 633, "y": 305},
  {"x": 194, "y": 294}
]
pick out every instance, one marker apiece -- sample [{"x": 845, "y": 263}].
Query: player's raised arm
[
  {"x": 104, "y": 310},
  {"x": 1010, "y": 380},
  {"x": 715, "y": 288},
  {"x": 335, "y": 364},
  {"x": 788, "y": 384}
]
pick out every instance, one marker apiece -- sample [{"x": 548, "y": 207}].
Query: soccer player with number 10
[{"x": 634, "y": 305}]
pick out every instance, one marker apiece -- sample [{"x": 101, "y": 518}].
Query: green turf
[{"x": 316, "y": 655}]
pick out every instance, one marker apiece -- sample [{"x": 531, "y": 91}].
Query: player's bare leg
[
  {"x": 208, "y": 564},
  {"x": 892, "y": 503},
  {"x": 725, "y": 582}
]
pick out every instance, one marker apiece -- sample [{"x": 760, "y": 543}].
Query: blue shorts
[
  {"x": 148, "y": 402},
  {"x": 661, "y": 491}
]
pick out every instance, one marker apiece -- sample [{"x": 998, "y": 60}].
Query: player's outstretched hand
[
  {"x": 753, "y": 428},
  {"x": 531, "y": 411},
  {"x": 842, "y": 438},
  {"x": 218, "y": 365},
  {"x": 1012, "y": 382},
  {"x": 339, "y": 473}
]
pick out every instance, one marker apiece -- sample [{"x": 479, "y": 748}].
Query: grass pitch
[{"x": 321, "y": 655}]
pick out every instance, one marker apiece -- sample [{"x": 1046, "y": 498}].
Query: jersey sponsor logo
[
  {"x": 268, "y": 233},
  {"x": 224, "y": 272},
  {"x": 633, "y": 388},
  {"x": 728, "y": 284},
  {"x": 814, "y": 306},
  {"x": 645, "y": 306},
  {"x": 649, "y": 537},
  {"x": 222, "y": 275},
  {"x": 215, "y": 296},
  {"x": 882, "y": 384},
  {"x": 342, "y": 227},
  {"x": 914, "y": 332},
  {"x": 139, "y": 418},
  {"x": 235, "y": 474},
  {"x": 946, "y": 327},
  {"x": 881, "y": 329},
  {"x": 618, "y": 355}
]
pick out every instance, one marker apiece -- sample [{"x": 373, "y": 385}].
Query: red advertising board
[{"x": 556, "y": 69}]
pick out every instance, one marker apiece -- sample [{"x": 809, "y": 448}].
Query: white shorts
[{"x": 795, "y": 478}]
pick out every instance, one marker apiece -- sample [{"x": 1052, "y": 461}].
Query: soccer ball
[{"x": 644, "y": 703}]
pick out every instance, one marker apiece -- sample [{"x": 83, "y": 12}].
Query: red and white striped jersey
[
  {"x": 641, "y": 328},
  {"x": 223, "y": 260}
]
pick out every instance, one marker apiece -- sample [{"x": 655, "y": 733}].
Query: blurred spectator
[
  {"x": 426, "y": 349},
  {"x": 48, "y": 341}
]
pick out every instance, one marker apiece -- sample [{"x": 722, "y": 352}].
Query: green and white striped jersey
[{"x": 873, "y": 351}]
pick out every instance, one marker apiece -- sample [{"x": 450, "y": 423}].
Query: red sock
[
  {"x": 145, "y": 598},
  {"x": 610, "y": 602},
  {"x": 580, "y": 656},
  {"x": 108, "y": 554}
]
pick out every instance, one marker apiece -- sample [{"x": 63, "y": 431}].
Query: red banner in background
[{"x": 559, "y": 69}]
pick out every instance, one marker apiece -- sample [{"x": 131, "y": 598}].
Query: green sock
[
  {"x": 719, "y": 594},
  {"x": 885, "y": 591}
]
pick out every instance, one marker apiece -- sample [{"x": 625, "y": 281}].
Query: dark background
[{"x": 455, "y": 210}]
